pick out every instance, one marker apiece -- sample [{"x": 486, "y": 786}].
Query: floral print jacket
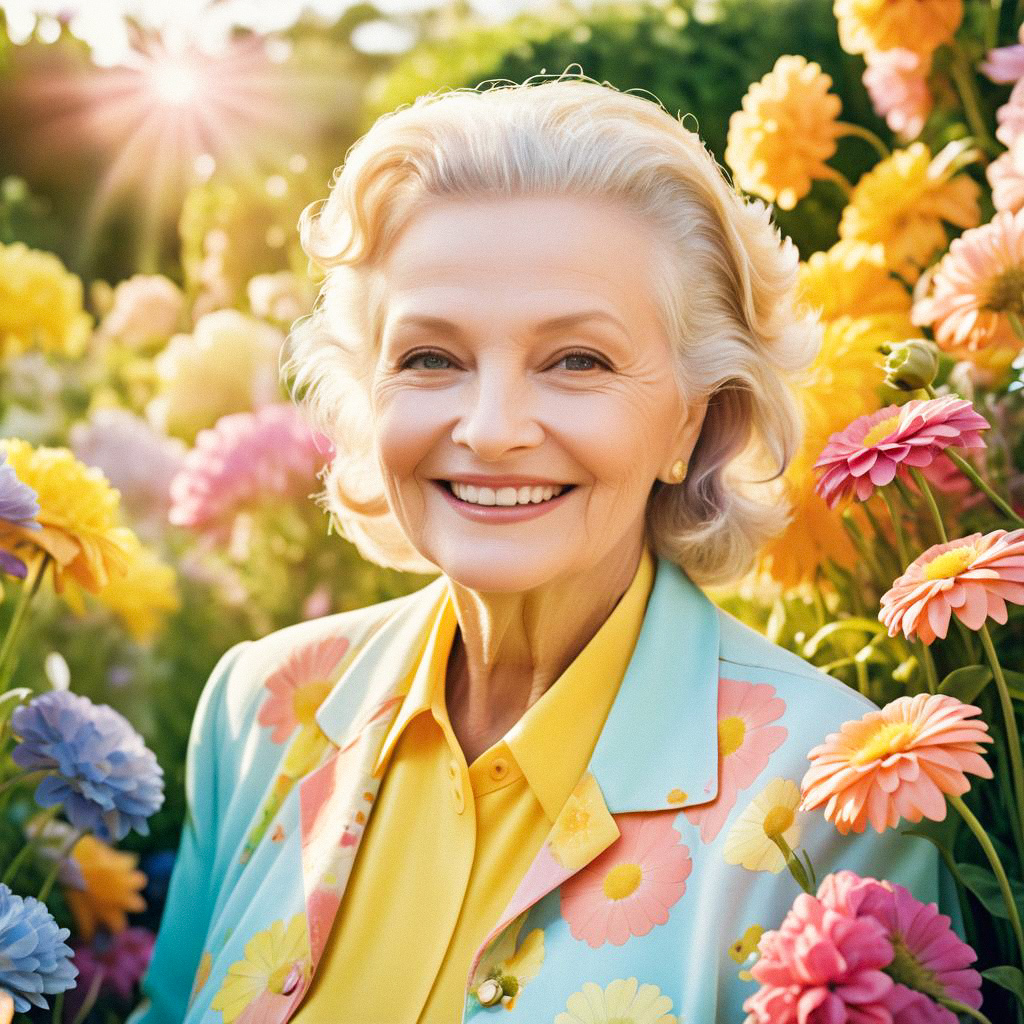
[{"x": 646, "y": 901}]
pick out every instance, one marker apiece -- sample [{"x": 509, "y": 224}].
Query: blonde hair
[{"x": 725, "y": 282}]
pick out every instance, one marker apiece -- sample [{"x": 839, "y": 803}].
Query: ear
[{"x": 684, "y": 439}]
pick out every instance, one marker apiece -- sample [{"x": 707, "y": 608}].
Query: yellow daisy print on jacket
[
  {"x": 624, "y": 1001},
  {"x": 772, "y": 814},
  {"x": 275, "y": 961}
]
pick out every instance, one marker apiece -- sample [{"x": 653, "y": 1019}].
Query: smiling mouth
[{"x": 505, "y": 497}]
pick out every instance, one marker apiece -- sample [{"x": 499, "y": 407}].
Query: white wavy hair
[{"x": 725, "y": 284}]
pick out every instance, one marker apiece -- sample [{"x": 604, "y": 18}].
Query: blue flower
[
  {"x": 33, "y": 955},
  {"x": 104, "y": 774},
  {"x": 19, "y": 505}
]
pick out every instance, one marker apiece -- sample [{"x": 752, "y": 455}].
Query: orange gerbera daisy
[
  {"x": 897, "y": 763},
  {"x": 974, "y": 577},
  {"x": 113, "y": 887}
]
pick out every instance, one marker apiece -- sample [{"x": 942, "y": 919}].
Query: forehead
[{"x": 522, "y": 254}]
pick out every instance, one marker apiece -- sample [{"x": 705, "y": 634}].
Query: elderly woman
[{"x": 556, "y": 354}]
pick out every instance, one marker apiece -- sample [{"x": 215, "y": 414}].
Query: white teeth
[{"x": 506, "y": 496}]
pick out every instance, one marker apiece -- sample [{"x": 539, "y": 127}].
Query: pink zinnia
[
  {"x": 873, "y": 448},
  {"x": 972, "y": 577},
  {"x": 897, "y": 763},
  {"x": 1006, "y": 176},
  {"x": 1011, "y": 117},
  {"x": 975, "y": 285},
  {"x": 897, "y": 82},
  {"x": 1005, "y": 64},
  {"x": 244, "y": 458},
  {"x": 630, "y": 887}
]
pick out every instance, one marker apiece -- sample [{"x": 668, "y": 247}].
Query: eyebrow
[{"x": 438, "y": 323}]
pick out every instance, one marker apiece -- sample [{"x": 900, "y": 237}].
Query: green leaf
[
  {"x": 1011, "y": 978},
  {"x": 854, "y": 624},
  {"x": 10, "y": 700},
  {"x": 966, "y": 683},
  {"x": 984, "y": 885}
]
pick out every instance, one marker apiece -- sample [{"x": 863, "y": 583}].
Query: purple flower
[
  {"x": 19, "y": 506},
  {"x": 103, "y": 773},
  {"x": 119, "y": 960},
  {"x": 33, "y": 955}
]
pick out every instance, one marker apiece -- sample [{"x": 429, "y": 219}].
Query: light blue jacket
[{"x": 651, "y": 890}]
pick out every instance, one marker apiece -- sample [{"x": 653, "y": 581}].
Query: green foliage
[{"x": 697, "y": 58}]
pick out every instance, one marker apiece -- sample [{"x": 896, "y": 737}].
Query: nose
[{"x": 497, "y": 414}]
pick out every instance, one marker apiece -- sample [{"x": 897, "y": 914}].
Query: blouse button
[
  {"x": 489, "y": 992},
  {"x": 499, "y": 768},
  {"x": 291, "y": 983},
  {"x": 453, "y": 769},
  {"x": 460, "y": 800}
]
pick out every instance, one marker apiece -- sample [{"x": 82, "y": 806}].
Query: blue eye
[
  {"x": 410, "y": 360},
  {"x": 586, "y": 357}
]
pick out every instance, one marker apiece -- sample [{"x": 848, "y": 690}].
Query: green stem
[
  {"x": 63, "y": 852},
  {"x": 22, "y": 777},
  {"x": 28, "y": 589},
  {"x": 840, "y": 179},
  {"x": 860, "y": 132},
  {"x": 796, "y": 869},
  {"x": 933, "y": 507},
  {"x": 31, "y": 844},
  {"x": 975, "y": 477},
  {"x": 962, "y": 1009},
  {"x": 90, "y": 998},
  {"x": 901, "y": 540},
  {"x": 997, "y": 866},
  {"x": 58, "y": 1005},
  {"x": 863, "y": 547},
  {"x": 1012, "y": 735},
  {"x": 967, "y": 88}
]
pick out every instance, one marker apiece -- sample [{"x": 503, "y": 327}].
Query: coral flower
[
  {"x": 904, "y": 202},
  {"x": 873, "y": 449},
  {"x": 113, "y": 887},
  {"x": 900, "y": 762},
  {"x": 851, "y": 279},
  {"x": 924, "y": 25},
  {"x": 974, "y": 577},
  {"x": 977, "y": 283},
  {"x": 897, "y": 82},
  {"x": 78, "y": 512},
  {"x": 786, "y": 130},
  {"x": 630, "y": 887}
]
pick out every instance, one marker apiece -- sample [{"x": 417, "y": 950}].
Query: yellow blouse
[{"x": 448, "y": 843}]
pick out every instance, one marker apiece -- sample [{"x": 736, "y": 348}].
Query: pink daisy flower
[
  {"x": 1006, "y": 176},
  {"x": 897, "y": 82},
  {"x": 630, "y": 887},
  {"x": 874, "y": 448},
  {"x": 746, "y": 740},
  {"x": 1005, "y": 64},
  {"x": 299, "y": 686},
  {"x": 1011, "y": 117},
  {"x": 975, "y": 285},
  {"x": 972, "y": 577},
  {"x": 897, "y": 763},
  {"x": 244, "y": 458}
]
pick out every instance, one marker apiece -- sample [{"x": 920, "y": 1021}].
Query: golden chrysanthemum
[
  {"x": 851, "y": 279},
  {"x": 918, "y": 25},
  {"x": 143, "y": 595},
  {"x": 841, "y": 384},
  {"x": 787, "y": 128},
  {"x": 78, "y": 510},
  {"x": 113, "y": 887},
  {"x": 40, "y": 304},
  {"x": 905, "y": 201}
]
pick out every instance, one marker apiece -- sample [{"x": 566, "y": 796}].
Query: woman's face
[{"x": 522, "y": 356}]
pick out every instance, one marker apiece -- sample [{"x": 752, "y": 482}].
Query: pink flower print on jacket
[
  {"x": 298, "y": 687},
  {"x": 630, "y": 887},
  {"x": 746, "y": 740}
]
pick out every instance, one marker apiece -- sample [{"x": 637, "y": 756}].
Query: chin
[{"x": 504, "y": 569}]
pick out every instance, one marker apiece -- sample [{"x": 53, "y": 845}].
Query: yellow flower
[
  {"x": 78, "y": 511},
  {"x": 228, "y": 364},
  {"x": 624, "y": 1001},
  {"x": 510, "y": 967},
  {"x": 904, "y": 202},
  {"x": 113, "y": 887},
  {"x": 779, "y": 141},
  {"x": 918, "y": 25},
  {"x": 773, "y": 812},
  {"x": 582, "y": 827},
  {"x": 851, "y": 279},
  {"x": 144, "y": 594},
  {"x": 271, "y": 957},
  {"x": 202, "y": 976},
  {"x": 40, "y": 304}
]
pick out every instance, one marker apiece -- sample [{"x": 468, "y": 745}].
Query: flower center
[
  {"x": 276, "y": 980},
  {"x": 307, "y": 699},
  {"x": 1007, "y": 294},
  {"x": 906, "y": 969},
  {"x": 950, "y": 563},
  {"x": 891, "y": 738},
  {"x": 880, "y": 431},
  {"x": 623, "y": 880},
  {"x": 731, "y": 731},
  {"x": 777, "y": 821}
]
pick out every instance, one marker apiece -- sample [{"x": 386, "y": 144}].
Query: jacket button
[
  {"x": 499, "y": 768},
  {"x": 489, "y": 992},
  {"x": 291, "y": 983}
]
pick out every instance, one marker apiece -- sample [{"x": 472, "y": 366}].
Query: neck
[{"x": 510, "y": 648}]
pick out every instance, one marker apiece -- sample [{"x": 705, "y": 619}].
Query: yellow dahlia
[
  {"x": 918, "y": 25},
  {"x": 78, "y": 510},
  {"x": 40, "y": 304},
  {"x": 905, "y": 201},
  {"x": 113, "y": 887},
  {"x": 786, "y": 130},
  {"x": 851, "y": 279}
]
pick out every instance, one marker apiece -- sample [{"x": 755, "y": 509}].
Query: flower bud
[{"x": 910, "y": 365}]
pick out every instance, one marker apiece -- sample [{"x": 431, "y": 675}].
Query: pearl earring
[{"x": 678, "y": 471}]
